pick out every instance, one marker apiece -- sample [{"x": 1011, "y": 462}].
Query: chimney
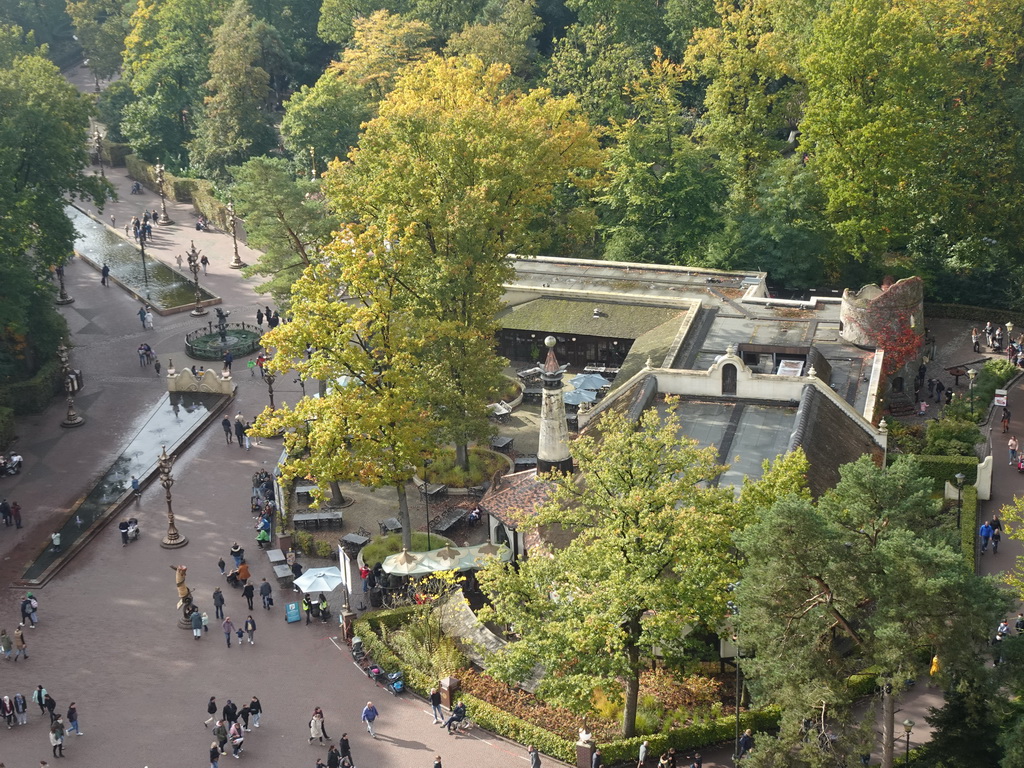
[{"x": 553, "y": 451}]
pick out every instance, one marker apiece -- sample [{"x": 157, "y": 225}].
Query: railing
[{"x": 250, "y": 342}]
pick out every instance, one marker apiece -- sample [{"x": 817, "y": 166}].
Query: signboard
[
  {"x": 1001, "y": 397},
  {"x": 292, "y": 613}
]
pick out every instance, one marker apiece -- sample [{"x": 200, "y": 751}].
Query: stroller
[
  {"x": 133, "y": 529},
  {"x": 136, "y": 188}
]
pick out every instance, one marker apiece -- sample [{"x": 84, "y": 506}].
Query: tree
[
  {"x": 370, "y": 425},
  {"x": 324, "y": 118},
  {"x": 466, "y": 171},
  {"x": 285, "y": 218},
  {"x": 101, "y": 26},
  {"x": 649, "y": 560},
  {"x": 383, "y": 45},
  {"x": 337, "y": 17},
  {"x": 505, "y": 34},
  {"x": 864, "y": 580},
  {"x": 234, "y": 123},
  {"x": 665, "y": 193}
]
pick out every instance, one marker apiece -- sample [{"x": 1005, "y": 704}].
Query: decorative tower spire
[{"x": 553, "y": 451}]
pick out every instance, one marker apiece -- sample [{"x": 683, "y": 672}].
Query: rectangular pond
[{"x": 159, "y": 284}]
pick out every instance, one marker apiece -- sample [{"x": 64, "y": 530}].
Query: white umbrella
[
  {"x": 319, "y": 580},
  {"x": 405, "y": 563},
  {"x": 577, "y": 396},
  {"x": 448, "y": 553},
  {"x": 589, "y": 381}
]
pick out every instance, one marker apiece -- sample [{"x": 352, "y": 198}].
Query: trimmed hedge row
[
  {"x": 968, "y": 521},
  {"x": 943, "y": 468},
  {"x": 6, "y": 426},
  {"x": 199, "y": 192},
  {"x": 491, "y": 718},
  {"x": 114, "y": 153},
  {"x": 980, "y": 315},
  {"x": 33, "y": 395}
]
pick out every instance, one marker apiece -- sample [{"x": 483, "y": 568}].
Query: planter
[{"x": 465, "y": 491}]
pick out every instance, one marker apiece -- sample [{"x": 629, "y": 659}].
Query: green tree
[
  {"x": 466, "y": 170},
  {"x": 234, "y": 123},
  {"x": 370, "y": 426},
  {"x": 445, "y": 17},
  {"x": 665, "y": 193},
  {"x": 101, "y": 26},
  {"x": 649, "y": 560},
  {"x": 505, "y": 34},
  {"x": 864, "y": 580},
  {"x": 325, "y": 118},
  {"x": 383, "y": 45},
  {"x": 285, "y": 218},
  {"x": 337, "y": 16}
]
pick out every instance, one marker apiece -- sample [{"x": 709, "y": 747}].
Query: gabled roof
[{"x": 516, "y": 494}]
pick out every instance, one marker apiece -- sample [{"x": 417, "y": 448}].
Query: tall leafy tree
[
  {"x": 665, "y": 194},
  {"x": 505, "y": 33},
  {"x": 371, "y": 425},
  {"x": 649, "y": 560},
  {"x": 285, "y": 218},
  {"x": 234, "y": 123},
  {"x": 101, "y": 26},
  {"x": 465, "y": 170},
  {"x": 323, "y": 120},
  {"x": 866, "y": 579},
  {"x": 383, "y": 44}
]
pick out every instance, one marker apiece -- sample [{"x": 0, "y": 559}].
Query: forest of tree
[{"x": 826, "y": 143}]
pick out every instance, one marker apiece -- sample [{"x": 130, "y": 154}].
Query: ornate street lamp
[
  {"x": 142, "y": 250},
  {"x": 960, "y": 477},
  {"x": 72, "y": 419},
  {"x": 236, "y": 263},
  {"x": 971, "y": 375},
  {"x": 312, "y": 164},
  {"x": 908, "y": 727},
  {"x": 173, "y": 539},
  {"x": 883, "y": 429},
  {"x": 426, "y": 498},
  {"x": 193, "y": 266},
  {"x": 271, "y": 378},
  {"x": 62, "y": 297},
  {"x": 97, "y": 139},
  {"x": 164, "y": 219}
]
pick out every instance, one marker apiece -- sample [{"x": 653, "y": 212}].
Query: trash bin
[
  {"x": 449, "y": 687},
  {"x": 376, "y": 597}
]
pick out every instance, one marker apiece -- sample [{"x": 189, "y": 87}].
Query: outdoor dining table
[
  {"x": 501, "y": 443},
  {"x": 275, "y": 556},
  {"x": 326, "y": 516},
  {"x": 355, "y": 540},
  {"x": 392, "y": 525}
]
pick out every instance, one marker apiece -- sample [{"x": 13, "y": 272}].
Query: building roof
[
  {"x": 576, "y": 317},
  {"x": 515, "y": 495}
]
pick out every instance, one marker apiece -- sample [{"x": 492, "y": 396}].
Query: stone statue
[{"x": 184, "y": 593}]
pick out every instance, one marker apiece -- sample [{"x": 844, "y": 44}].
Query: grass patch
[
  {"x": 483, "y": 463},
  {"x": 378, "y": 549}
]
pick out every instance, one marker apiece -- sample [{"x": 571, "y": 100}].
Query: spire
[{"x": 553, "y": 450}]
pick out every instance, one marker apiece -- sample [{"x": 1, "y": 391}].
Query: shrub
[
  {"x": 379, "y": 548},
  {"x": 302, "y": 541},
  {"x": 952, "y": 437},
  {"x": 206, "y": 203},
  {"x": 945, "y": 468},
  {"x": 33, "y": 395},
  {"x": 114, "y": 154},
  {"x": 483, "y": 463},
  {"x": 905, "y": 438}
]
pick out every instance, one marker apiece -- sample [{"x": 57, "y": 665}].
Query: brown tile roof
[{"x": 513, "y": 498}]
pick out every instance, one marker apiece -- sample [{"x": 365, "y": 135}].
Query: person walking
[
  {"x": 237, "y": 554},
  {"x": 641, "y": 759},
  {"x": 345, "y": 747},
  {"x": 136, "y": 487},
  {"x": 226, "y": 426},
  {"x": 265, "y": 591},
  {"x": 228, "y": 627},
  {"x": 237, "y": 736},
  {"x": 249, "y": 592},
  {"x": 149, "y": 319},
  {"x": 218, "y": 603},
  {"x": 6, "y": 644},
  {"x": 746, "y": 743},
  {"x": 57, "y": 739},
  {"x": 256, "y": 710},
  {"x": 205, "y": 262},
  {"x": 28, "y": 610},
  {"x": 51, "y": 707},
  {"x": 1012, "y": 446},
  {"x": 196, "y": 622},
  {"x": 1005, "y": 420},
  {"x": 214, "y": 753},
  {"x": 243, "y": 715},
  {"x": 16, "y": 513},
  {"x": 370, "y": 714},
  {"x": 21, "y": 708},
  {"x": 240, "y": 433},
  {"x": 104, "y": 273},
  {"x": 211, "y": 710},
  {"x": 73, "y": 720},
  {"x": 230, "y": 712},
  {"x": 535, "y": 756},
  {"x": 333, "y": 757},
  {"x": 7, "y": 711},
  {"x": 435, "y": 705},
  {"x": 246, "y": 429},
  {"x": 985, "y": 533},
  {"x": 20, "y": 648},
  {"x": 39, "y": 697},
  {"x": 250, "y": 624},
  {"x": 142, "y": 317},
  {"x": 220, "y": 733},
  {"x": 316, "y": 727},
  {"x": 437, "y": 762}
]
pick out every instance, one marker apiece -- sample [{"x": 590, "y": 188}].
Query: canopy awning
[{"x": 446, "y": 559}]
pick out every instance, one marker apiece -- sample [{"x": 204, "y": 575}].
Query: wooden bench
[{"x": 447, "y": 519}]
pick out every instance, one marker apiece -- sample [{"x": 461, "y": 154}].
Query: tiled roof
[{"x": 515, "y": 496}]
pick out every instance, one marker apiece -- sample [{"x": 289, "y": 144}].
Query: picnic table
[
  {"x": 525, "y": 462},
  {"x": 391, "y": 525},
  {"x": 283, "y": 573},
  {"x": 501, "y": 443},
  {"x": 305, "y": 489},
  {"x": 432, "y": 491},
  {"x": 601, "y": 369},
  {"x": 500, "y": 411},
  {"x": 442, "y": 522},
  {"x": 275, "y": 556},
  {"x": 533, "y": 394},
  {"x": 326, "y": 517}
]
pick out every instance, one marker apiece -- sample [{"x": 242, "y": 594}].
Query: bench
[
  {"x": 326, "y": 517},
  {"x": 447, "y": 519},
  {"x": 284, "y": 575}
]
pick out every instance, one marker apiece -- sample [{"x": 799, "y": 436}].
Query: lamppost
[
  {"x": 426, "y": 498},
  {"x": 173, "y": 539},
  {"x": 312, "y": 164},
  {"x": 236, "y": 263},
  {"x": 1009, "y": 332},
  {"x": 734, "y": 611},
  {"x": 302, "y": 384},
  {"x": 164, "y": 218},
  {"x": 62, "y": 297},
  {"x": 193, "y": 266},
  {"x": 71, "y": 419},
  {"x": 908, "y": 727},
  {"x": 142, "y": 250},
  {"x": 271, "y": 378},
  {"x": 883, "y": 430},
  {"x": 971, "y": 375},
  {"x": 960, "y": 477},
  {"x": 97, "y": 139}
]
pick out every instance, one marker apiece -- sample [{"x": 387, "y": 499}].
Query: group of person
[
  {"x": 991, "y": 532},
  {"x": 141, "y": 227},
  {"x": 14, "y": 712},
  {"x": 10, "y": 513},
  {"x": 232, "y": 726},
  {"x": 338, "y": 755},
  {"x": 273, "y": 318},
  {"x": 240, "y": 431},
  {"x": 146, "y": 355}
]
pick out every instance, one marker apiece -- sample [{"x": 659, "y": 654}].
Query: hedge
[
  {"x": 176, "y": 188},
  {"x": 6, "y": 426},
  {"x": 209, "y": 206},
  {"x": 33, "y": 395},
  {"x": 114, "y": 154},
  {"x": 945, "y": 468},
  {"x": 968, "y": 522},
  {"x": 980, "y": 315},
  {"x": 500, "y": 722}
]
